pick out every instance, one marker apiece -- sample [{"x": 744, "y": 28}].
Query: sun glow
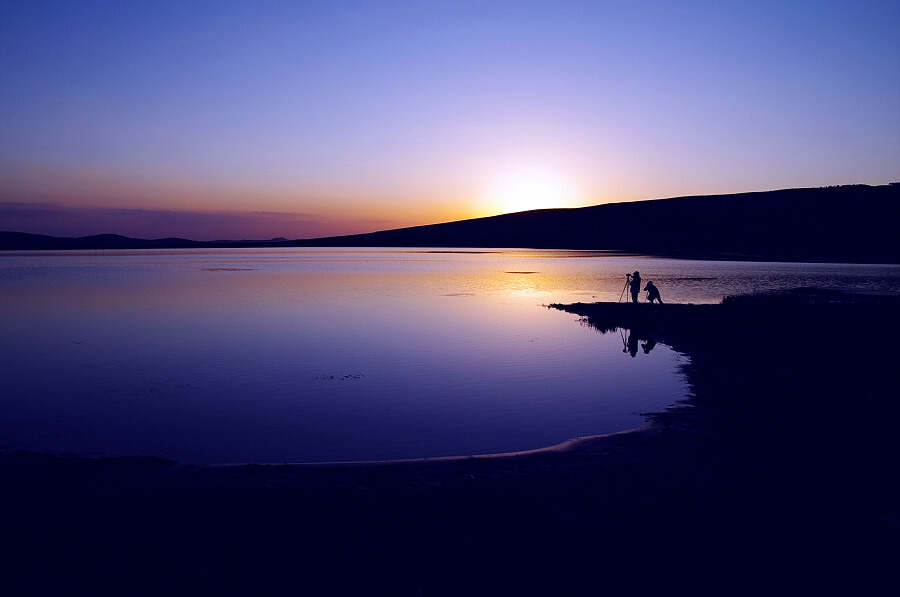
[{"x": 524, "y": 190}]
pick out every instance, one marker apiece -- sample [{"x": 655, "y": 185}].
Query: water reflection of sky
[{"x": 310, "y": 355}]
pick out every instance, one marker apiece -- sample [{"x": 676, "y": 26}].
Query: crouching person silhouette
[{"x": 652, "y": 292}]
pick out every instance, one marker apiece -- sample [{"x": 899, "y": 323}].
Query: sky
[{"x": 230, "y": 120}]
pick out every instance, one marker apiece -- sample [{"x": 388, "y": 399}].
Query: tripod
[{"x": 625, "y": 288}]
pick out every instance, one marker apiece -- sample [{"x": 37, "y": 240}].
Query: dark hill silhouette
[{"x": 852, "y": 223}]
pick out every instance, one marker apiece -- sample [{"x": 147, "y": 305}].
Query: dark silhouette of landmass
[
  {"x": 847, "y": 223},
  {"x": 20, "y": 241},
  {"x": 851, "y": 223}
]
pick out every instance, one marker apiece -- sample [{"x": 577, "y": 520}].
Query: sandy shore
[{"x": 780, "y": 476}]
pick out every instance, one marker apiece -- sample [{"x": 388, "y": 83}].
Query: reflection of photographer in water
[{"x": 632, "y": 344}]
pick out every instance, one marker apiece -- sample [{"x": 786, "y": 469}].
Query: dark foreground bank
[{"x": 780, "y": 477}]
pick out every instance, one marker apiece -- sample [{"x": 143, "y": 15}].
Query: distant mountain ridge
[
  {"x": 850, "y": 223},
  {"x": 21, "y": 241}
]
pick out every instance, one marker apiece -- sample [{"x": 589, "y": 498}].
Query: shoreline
[
  {"x": 781, "y": 471},
  {"x": 563, "y": 446},
  {"x": 105, "y": 473}
]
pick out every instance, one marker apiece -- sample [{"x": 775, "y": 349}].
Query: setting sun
[{"x": 524, "y": 190}]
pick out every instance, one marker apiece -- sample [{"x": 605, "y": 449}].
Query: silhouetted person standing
[
  {"x": 635, "y": 286},
  {"x": 652, "y": 292}
]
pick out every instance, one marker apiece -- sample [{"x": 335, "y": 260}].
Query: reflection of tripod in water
[{"x": 625, "y": 289}]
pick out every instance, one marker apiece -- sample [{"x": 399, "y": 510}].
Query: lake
[{"x": 315, "y": 355}]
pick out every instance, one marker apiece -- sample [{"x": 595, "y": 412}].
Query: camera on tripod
[{"x": 631, "y": 280}]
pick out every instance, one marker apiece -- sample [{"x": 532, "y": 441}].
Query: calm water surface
[{"x": 300, "y": 355}]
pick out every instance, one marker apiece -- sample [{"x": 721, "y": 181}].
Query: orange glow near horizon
[
  {"x": 530, "y": 188},
  {"x": 78, "y": 202}
]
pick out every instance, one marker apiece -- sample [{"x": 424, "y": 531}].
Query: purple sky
[{"x": 213, "y": 120}]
